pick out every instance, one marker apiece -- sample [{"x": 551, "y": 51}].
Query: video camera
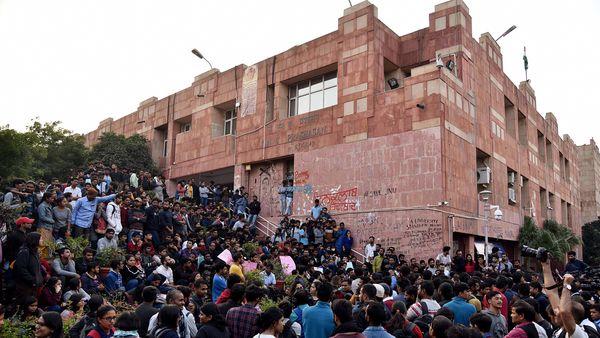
[{"x": 541, "y": 254}]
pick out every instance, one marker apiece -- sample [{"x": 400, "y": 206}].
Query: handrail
[{"x": 268, "y": 222}]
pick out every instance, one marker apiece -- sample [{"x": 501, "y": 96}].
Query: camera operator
[
  {"x": 574, "y": 265},
  {"x": 562, "y": 308}
]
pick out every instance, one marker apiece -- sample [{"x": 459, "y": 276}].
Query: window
[
  {"x": 186, "y": 127},
  {"x": 316, "y": 93},
  {"x": 229, "y": 125},
  {"x": 165, "y": 148}
]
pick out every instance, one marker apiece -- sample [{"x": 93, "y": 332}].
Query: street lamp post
[
  {"x": 485, "y": 196},
  {"x": 198, "y": 54},
  {"x": 512, "y": 28},
  {"x": 487, "y": 208}
]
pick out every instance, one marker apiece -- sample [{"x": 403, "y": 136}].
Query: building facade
[
  {"x": 589, "y": 167},
  {"x": 395, "y": 143}
]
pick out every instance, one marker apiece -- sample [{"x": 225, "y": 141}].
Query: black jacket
[
  {"x": 210, "y": 331},
  {"x": 254, "y": 207},
  {"x": 27, "y": 268}
]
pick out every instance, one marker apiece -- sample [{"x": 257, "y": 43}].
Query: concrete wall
[{"x": 376, "y": 138}]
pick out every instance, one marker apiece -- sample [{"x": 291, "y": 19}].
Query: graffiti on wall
[
  {"x": 341, "y": 200},
  {"x": 249, "y": 90},
  {"x": 306, "y": 134},
  {"x": 413, "y": 234},
  {"x": 380, "y": 192},
  {"x": 301, "y": 177}
]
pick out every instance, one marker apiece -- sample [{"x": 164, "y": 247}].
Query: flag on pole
[{"x": 525, "y": 62}]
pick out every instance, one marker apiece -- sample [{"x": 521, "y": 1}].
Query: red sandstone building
[{"x": 363, "y": 119}]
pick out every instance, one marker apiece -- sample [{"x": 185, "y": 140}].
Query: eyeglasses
[{"x": 110, "y": 319}]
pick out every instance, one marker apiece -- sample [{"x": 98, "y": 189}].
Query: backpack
[
  {"x": 424, "y": 320},
  {"x": 88, "y": 325},
  {"x": 406, "y": 331},
  {"x": 287, "y": 331},
  {"x": 157, "y": 332}
]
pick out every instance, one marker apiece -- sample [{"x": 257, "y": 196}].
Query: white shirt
[
  {"x": 165, "y": 271},
  {"x": 446, "y": 260},
  {"x": 238, "y": 225},
  {"x": 369, "y": 252},
  {"x": 416, "y": 310},
  {"x": 75, "y": 192},
  {"x": 579, "y": 333},
  {"x": 203, "y": 191},
  {"x": 113, "y": 213}
]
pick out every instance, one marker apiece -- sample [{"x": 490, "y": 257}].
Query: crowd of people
[{"x": 196, "y": 265}]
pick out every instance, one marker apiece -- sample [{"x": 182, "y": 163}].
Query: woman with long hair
[
  {"x": 168, "y": 321},
  {"x": 213, "y": 323},
  {"x": 132, "y": 274},
  {"x": 49, "y": 325},
  {"x": 26, "y": 269},
  {"x": 51, "y": 296},
  {"x": 75, "y": 307},
  {"x": 74, "y": 285},
  {"x": 270, "y": 323},
  {"x": 28, "y": 310}
]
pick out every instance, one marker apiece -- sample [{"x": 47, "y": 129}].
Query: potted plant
[
  {"x": 250, "y": 249},
  {"x": 255, "y": 277},
  {"x": 279, "y": 273},
  {"x": 107, "y": 255}
]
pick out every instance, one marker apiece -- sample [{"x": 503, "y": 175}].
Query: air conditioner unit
[
  {"x": 512, "y": 195},
  {"x": 511, "y": 177},
  {"x": 484, "y": 175}
]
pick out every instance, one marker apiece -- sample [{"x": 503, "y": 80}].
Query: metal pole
[{"x": 486, "y": 209}]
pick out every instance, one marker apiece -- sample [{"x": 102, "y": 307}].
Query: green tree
[
  {"x": 15, "y": 152},
  {"x": 56, "y": 151},
  {"x": 45, "y": 150},
  {"x": 127, "y": 152},
  {"x": 556, "y": 238},
  {"x": 591, "y": 242}
]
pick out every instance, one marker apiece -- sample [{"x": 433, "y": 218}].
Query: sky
[{"x": 83, "y": 61}]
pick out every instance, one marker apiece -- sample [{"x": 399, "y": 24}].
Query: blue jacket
[
  {"x": 114, "y": 282},
  {"x": 462, "y": 310},
  {"x": 46, "y": 217},
  {"x": 317, "y": 321},
  {"x": 84, "y": 210},
  {"x": 219, "y": 285}
]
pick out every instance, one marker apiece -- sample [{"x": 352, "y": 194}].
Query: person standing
[
  {"x": 289, "y": 197},
  {"x": 574, "y": 264},
  {"x": 254, "y": 210},
  {"x": 26, "y": 270},
  {"x": 219, "y": 283},
  {"x": 146, "y": 310},
  {"x": 113, "y": 214},
  {"x": 462, "y": 310},
  {"x": 242, "y": 320},
  {"x": 317, "y": 320},
  {"x": 16, "y": 238},
  {"x": 62, "y": 216},
  {"x": 187, "y": 324},
  {"x": 370, "y": 249},
  {"x": 46, "y": 221},
  {"x": 282, "y": 202},
  {"x": 84, "y": 211},
  {"x": 74, "y": 190},
  {"x": 376, "y": 317}
]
